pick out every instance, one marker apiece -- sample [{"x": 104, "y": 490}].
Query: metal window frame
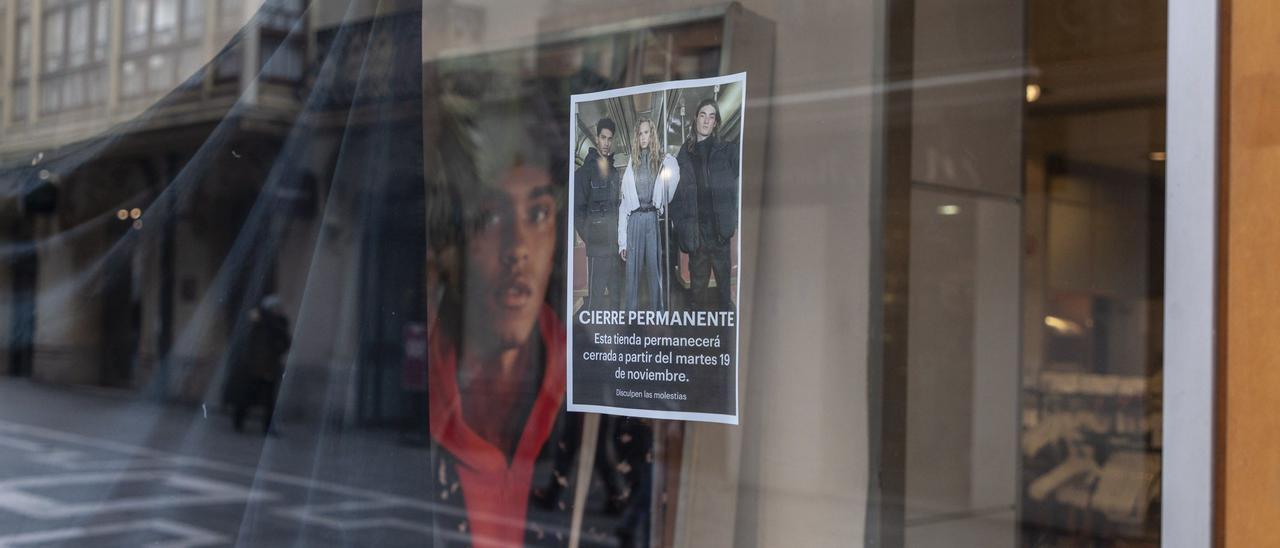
[{"x": 1190, "y": 274}]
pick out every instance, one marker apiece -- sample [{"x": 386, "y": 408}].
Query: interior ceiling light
[{"x": 1063, "y": 326}]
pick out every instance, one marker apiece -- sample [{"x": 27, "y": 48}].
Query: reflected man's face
[{"x": 509, "y": 258}]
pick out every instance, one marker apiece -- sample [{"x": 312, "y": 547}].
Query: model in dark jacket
[
  {"x": 705, "y": 208},
  {"x": 595, "y": 218}
]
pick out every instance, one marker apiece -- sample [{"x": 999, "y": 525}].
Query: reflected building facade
[{"x": 167, "y": 163}]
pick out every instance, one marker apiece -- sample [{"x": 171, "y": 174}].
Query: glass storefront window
[{"x": 281, "y": 272}]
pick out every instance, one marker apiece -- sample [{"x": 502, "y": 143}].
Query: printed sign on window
[{"x": 653, "y": 267}]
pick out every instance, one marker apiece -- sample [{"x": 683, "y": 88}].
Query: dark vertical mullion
[{"x": 891, "y": 241}]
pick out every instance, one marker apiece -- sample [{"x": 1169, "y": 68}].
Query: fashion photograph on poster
[{"x": 653, "y": 273}]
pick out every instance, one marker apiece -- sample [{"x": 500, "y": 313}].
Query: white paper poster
[{"x": 655, "y": 218}]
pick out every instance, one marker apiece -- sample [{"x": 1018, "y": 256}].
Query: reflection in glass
[
  {"x": 101, "y": 18},
  {"x": 137, "y": 20},
  {"x": 24, "y": 48},
  {"x": 166, "y": 22},
  {"x": 53, "y": 41},
  {"x": 78, "y": 34},
  {"x": 230, "y": 13},
  {"x": 159, "y": 72},
  {"x": 21, "y": 101},
  {"x": 130, "y": 78},
  {"x": 193, "y": 19}
]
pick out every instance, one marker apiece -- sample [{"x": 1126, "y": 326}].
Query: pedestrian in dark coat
[{"x": 262, "y": 364}]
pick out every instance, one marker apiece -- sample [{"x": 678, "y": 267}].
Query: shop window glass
[{"x": 331, "y": 296}]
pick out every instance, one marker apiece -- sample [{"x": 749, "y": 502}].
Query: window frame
[
  {"x": 1190, "y": 346},
  {"x": 184, "y": 39},
  {"x": 92, "y": 62}
]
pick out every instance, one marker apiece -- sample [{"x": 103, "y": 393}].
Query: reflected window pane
[
  {"x": 191, "y": 63},
  {"x": 21, "y": 101},
  {"x": 229, "y": 15},
  {"x": 137, "y": 19},
  {"x": 96, "y": 86},
  {"x": 160, "y": 72},
  {"x": 73, "y": 91},
  {"x": 78, "y": 48},
  {"x": 192, "y": 19},
  {"x": 53, "y": 41},
  {"x": 166, "y": 25},
  {"x": 229, "y": 63},
  {"x": 130, "y": 78},
  {"x": 24, "y": 48},
  {"x": 51, "y": 95},
  {"x": 102, "y": 17},
  {"x": 282, "y": 60}
]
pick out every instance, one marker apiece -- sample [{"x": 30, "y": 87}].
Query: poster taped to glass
[{"x": 656, "y": 191}]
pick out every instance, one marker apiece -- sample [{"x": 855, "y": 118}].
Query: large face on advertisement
[{"x": 509, "y": 257}]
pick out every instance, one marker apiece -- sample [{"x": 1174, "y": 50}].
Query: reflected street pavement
[{"x": 80, "y": 467}]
